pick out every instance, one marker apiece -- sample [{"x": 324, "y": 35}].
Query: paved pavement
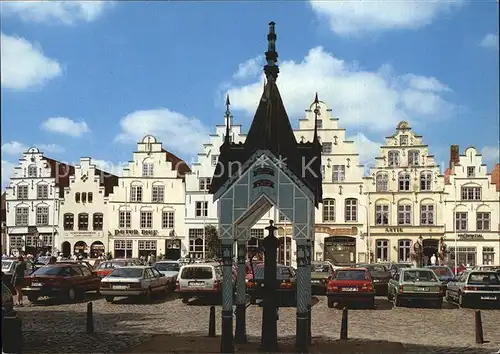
[{"x": 126, "y": 325}]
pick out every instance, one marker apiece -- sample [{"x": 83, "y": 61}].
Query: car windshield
[
  {"x": 168, "y": 267},
  {"x": 6, "y": 265},
  {"x": 484, "y": 278},
  {"x": 442, "y": 272},
  {"x": 419, "y": 275},
  {"x": 320, "y": 268},
  {"x": 49, "y": 271},
  {"x": 197, "y": 273},
  {"x": 111, "y": 265},
  {"x": 351, "y": 275},
  {"x": 127, "y": 273},
  {"x": 374, "y": 267},
  {"x": 401, "y": 265},
  {"x": 281, "y": 272}
]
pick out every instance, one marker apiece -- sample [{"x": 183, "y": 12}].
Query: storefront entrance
[
  {"x": 340, "y": 250},
  {"x": 430, "y": 247},
  {"x": 81, "y": 249},
  {"x": 66, "y": 249},
  {"x": 172, "y": 249},
  {"x": 97, "y": 249}
]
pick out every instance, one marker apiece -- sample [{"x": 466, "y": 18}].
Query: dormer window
[
  {"x": 471, "y": 171},
  {"x": 84, "y": 197},
  {"x": 413, "y": 157},
  {"x": 393, "y": 158},
  {"x": 147, "y": 169},
  {"x": 32, "y": 171},
  {"x": 327, "y": 148},
  {"x": 319, "y": 124},
  {"x": 403, "y": 140},
  {"x": 77, "y": 197}
]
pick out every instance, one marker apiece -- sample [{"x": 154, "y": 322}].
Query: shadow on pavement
[
  {"x": 156, "y": 299},
  {"x": 55, "y": 301},
  {"x": 218, "y": 301}
]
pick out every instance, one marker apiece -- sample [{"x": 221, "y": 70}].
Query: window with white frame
[
  {"x": 382, "y": 214},
  {"x": 196, "y": 242},
  {"x": 158, "y": 193},
  {"x": 338, "y": 173},
  {"x": 382, "y": 251},
  {"x": 214, "y": 160},
  {"x": 42, "y": 191},
  {"x": 22, "y": 215},
  {"x": 42, "y": 215},
  {"x": 403, "y": 140},
  {"x": 201, "y": 209},
  {"x": 404, "y": 181},
  {"x": 257, "y": 233},
  {"x": 404, "y": 249},
  {"x": 97, "y": 221},
  {"x": 382, "y": 182},
  {"x": 461, "y": 221},
  {"x": 124, "y": 218},
  {"x": 83, "y": 221},
  {"x": 204, "y": 183},
  {"x": 167, "y": 219},
  {"x": 488, "y": 256},
  {"x": 351, "y": 209},
  {"x": 136, "y": 193},
  {"x": 282, "y": 217},
  {"x": 427, "y": 214},
  {"x": 404, "y": 214},
  {"x": 471, "y": 171},
  {"x": 22, "y": 192},
  {"x": 483, "y": 221},
  {"x": 147, "y": 169},
  {"x": 68, "y": 221},
  {"x": 471, "y": 193},
  {"x": 465, "y": 255},
  {"x": 425, "y": 181},
  {"x": 393, "y": 158},
  {"x": 329, "y": 210},
  {"x": 16, "y": 242},
  {"x": 147, "y": 245},
  {"x": 327, "y": 148},
  {"x": 146, "y": 219},
  {"x": 413, "y": 157},
  {"x": 32, "y": 171},
  {"x": 121, "y": 244}
]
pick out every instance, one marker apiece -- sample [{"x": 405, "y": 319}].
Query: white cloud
[
  {"x": 111, "y": 167},
  {"x": 489, "y": 41},
  {"x": 367, "y": 149},
  {"x": 7, "y": 170},
  {"x": 24, "y": 65},
  {"x": 249, "y": 69},
  {"x": 15, "y": 148},
  {"x": 491, "y": 154},
  {"x": 66, "y": 126},
  {"x": 53, "y": 148},
  {"x": 66, "y": 12},
  {"x": 361, "y": 99},
  {"x": 357, "y": 17},
  {"x": 177, "y": 132}
]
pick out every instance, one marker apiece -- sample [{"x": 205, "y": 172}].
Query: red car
[
  {"x": 351, "y": 285},
  {"x": 66, "y": 281},
  {"x": 107, "y": 267}
]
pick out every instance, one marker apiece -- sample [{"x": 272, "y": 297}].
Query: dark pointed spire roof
[{"x": 271, "y": 130}]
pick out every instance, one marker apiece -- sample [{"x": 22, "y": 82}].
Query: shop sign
[
  {"x": 83, "y": 233},
  {"x": 470, "y": 237},
  {"x": 393, "y": 230},
  {"x": 136, "y": 232},
  {"x": 330, "y": 231}
]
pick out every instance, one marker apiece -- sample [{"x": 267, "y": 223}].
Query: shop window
[{"x": 382, "y": 251}]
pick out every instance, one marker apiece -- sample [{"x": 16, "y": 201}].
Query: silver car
[
  {"x": 481, "y": 287},
  {"x": 170, "y": 269},
  {"x": 129, "y": 281}
]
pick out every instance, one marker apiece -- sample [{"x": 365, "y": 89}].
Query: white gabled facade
[
  {"x": 146, "y": 209},
  {"x": 471, "y": 210},
  {"x": 84, "y": 211},
  {"x": 32, "y": 202},
  {"x": 406, "y": 195}
]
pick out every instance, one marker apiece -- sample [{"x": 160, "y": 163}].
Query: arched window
[
  {"x": 393, "y": 158},
  {"x": 413, "y": 157},
  {"x": 404, "y": 181},
  {"x": 404, "y": 249},
  {"x": 382, "y": 251},
  {"x": 77, "y": 197},
  {"x": 404, "y": 214},
  {"x": 69, "y": 221},
  {"x": 84, "y": 197},
  {"x": 425, "y": 181},
  {"x": 329, "y": 210},
  {"x": 90, "y": 197},
  {"x": 351, "y": 209},
  {"x": 83, "y": 221},
  {"x": 427, "y": 214},
  {"x": 382, "y": 214},
  {"x": 32, "y": 171},
  {"x": 147, "y": 168},
  {"x": 382, "y": 181}
]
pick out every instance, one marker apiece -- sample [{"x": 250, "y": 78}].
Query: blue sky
[{"x": 91, "y": 78}]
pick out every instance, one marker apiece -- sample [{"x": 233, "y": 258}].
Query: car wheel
[
  {"x": 461, "y": 300},
  {"x": 33, "y": 298},
  {"x": 447, "y": 296},
  {"x": 389, "y": 295},
  {"x": 397, "y": 301},
  {"x": 185, "y": 300},
  {"x": 331, "y": 303},
  {"x": 148, "y": 295},
  {"x": 109, "y": 298}
]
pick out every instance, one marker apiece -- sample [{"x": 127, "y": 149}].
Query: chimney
[{"x": 454, "y": 155}]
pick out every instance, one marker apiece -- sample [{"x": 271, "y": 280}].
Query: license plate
[
  {"x": 349, "y": 289},
  {"x": 376, "y": 280},
  {"x": 36, "y": 284},
  {"x": 196, "y": 283},
  {"x": 315, "y": 281},
  {"x": 120, "y": 287},
  {"x": 422, "y": 289},
  {"x": 488, "y": 297}
]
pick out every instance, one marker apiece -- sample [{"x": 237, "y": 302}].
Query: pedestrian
[
  {"x": 52, "y": 260},
  {"x": 18, "y": 279},
  {"x": 433, "y": 260}
]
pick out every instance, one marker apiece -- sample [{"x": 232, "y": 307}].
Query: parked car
[
  {"x": 415, "y": 284},
  {"x": 170, "y": 269},
  {"x": 8, "y": 266},
  {"x": 77, "y": 261},
  {"x": 286, "y": 283},
  {"x": 107, "y": 267},
  {"x": 200, "y": 280},
  {"x": 133, "y": 281},
  {"x": 396, "y": 266},
  {"x": 380, "y": 276},
  {"x": 42, "y": 260},
  {"x": 64, "y": 280},
  {"x": 351, "y": 285},
  {"x": 444, "y": 273},
  {"x": 320, "y": 272},
  {"x": 475, "y": 287}
]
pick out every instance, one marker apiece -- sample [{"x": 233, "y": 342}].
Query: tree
[{"x": 212, "y": 242}]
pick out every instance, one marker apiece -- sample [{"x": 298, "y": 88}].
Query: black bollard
[
  {"x": 343, "y": 326},
  {"x": 479, "y": 328},
  {"x": 309, "y": 326},
  {"x": 90, "y": 319},
  {"x": 12, "y": 334},
  {"x": 211, "y": 322}
]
